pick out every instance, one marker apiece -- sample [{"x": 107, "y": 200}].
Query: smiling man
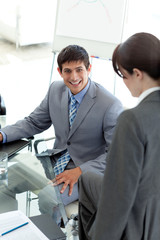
[{"x": 83, "y": 115}]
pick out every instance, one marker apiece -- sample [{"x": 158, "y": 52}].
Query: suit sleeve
[
  {"x": 121, "y": 179},
  {"x": 108, "y": 127}
]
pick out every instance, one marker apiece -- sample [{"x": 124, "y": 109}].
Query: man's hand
[{"x": 68, "y": 177}]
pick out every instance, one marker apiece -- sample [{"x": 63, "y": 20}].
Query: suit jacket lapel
[{"x": 86, "y": 104}]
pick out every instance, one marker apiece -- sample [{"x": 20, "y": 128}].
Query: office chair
[
  {"x": 2, "y": 106},
  {"x": 72, "y": 208}
]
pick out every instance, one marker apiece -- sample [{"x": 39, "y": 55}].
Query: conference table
[{"x": 27, "y": 175}]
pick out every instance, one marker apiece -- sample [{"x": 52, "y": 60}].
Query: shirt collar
[
  {"x": 146, "y": 93},
  {"x": 79, "y": 96}
]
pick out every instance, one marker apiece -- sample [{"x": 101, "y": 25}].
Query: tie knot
[{"x": 73, "y": 100}]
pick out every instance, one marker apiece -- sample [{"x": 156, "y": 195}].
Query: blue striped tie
[
  {"x": 64, "y": 159},
  {"x": 72, "y": 110}
]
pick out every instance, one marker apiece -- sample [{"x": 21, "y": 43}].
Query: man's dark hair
[{"x": 73, "y": 53}]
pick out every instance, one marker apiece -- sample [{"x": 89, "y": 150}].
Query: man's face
[{"x": 75, "y": 75}]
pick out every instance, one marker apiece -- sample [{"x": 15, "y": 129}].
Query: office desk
[{"x": 25, "y": 172}]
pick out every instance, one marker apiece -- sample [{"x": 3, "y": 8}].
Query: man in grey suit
[{"x": 86, "y": 141}]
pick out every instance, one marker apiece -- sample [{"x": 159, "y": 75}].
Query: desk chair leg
[
  {"x": 29, "y": 198},
  {"x": 28, "y": 203}
]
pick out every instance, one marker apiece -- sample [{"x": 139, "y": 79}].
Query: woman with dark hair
[{"x": 129, "y": 204}]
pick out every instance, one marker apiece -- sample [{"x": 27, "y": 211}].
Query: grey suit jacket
[
  {"x": 129, "y": 206},
  {"x": 91, "y": 132}
]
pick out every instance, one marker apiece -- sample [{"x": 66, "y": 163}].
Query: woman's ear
[{"x": 138, "y": 73}]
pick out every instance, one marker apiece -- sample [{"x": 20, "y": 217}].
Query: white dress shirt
[{"x": 146, "y": 93}]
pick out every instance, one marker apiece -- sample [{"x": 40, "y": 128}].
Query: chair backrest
[
  {"x": 44, "y": 157},
  {"x": 2, "y": 106}
]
